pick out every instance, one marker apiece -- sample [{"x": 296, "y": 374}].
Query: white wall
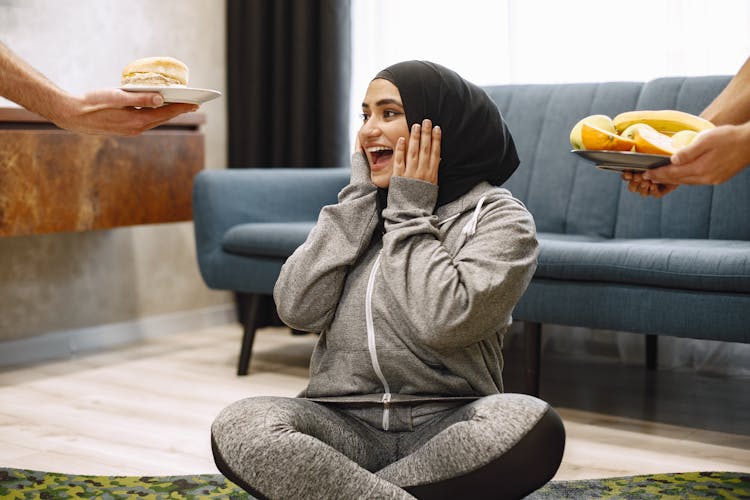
[{"x": 64, "y": 282}]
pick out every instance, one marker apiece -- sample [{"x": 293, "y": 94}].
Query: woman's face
[{"x": 384, "y": 121}]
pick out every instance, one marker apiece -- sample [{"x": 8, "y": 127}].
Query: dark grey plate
[{"x": 622, "y": 161}]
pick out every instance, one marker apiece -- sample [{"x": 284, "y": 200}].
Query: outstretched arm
[
  {"x": 716, "y": 155},
  {"x": 732, "y": 106},
  {"x": 105, "y": 111}
]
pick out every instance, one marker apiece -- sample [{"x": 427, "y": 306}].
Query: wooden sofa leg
[
  {"x": 250, "y": 304},
  {"x": 652, "y": 351},
  {"x": 533, "y": 343}
]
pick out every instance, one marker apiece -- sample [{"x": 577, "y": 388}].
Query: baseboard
[{"x": 64, "y": 344}]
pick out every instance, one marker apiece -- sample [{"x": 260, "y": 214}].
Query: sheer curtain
[{"x": 546, "y": 41}]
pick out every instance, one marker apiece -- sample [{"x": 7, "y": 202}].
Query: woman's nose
[{"x": 370, "y": 128}]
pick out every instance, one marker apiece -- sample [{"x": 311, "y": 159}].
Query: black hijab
[{"x": 476, "y": 145}]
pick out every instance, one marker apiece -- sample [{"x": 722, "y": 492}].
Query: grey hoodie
[{"x": 420, "y": 313}]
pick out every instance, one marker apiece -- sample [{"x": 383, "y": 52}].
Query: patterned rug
[{"x": 29, "y": 484}]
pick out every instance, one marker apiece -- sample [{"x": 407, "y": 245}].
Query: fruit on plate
[
  {"x": 683, "y": 138},
  {"x": 655, "y": 132},
  {"x": 629, "y": 133},
  {"x": 602, "y": 121},
  {"x": 649, "y": 140},
  {"x": 666, "y": 121},
  {"x": 593, "y": 137}
]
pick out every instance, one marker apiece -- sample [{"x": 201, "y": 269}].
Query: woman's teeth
[{"x": 380, "y": 153}]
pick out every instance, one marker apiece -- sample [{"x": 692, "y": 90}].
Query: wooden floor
[{"x": 146, "y": 409}]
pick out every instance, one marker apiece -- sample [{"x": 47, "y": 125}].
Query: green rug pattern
[
  {"x": 29, "y": 484},
  {"x": 682, "y": 486}
]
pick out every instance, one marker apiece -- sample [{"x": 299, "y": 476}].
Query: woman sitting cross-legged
[{"x": 411, "y": 278}]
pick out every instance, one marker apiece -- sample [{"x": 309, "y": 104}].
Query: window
[{"x": 548, "y": 41}]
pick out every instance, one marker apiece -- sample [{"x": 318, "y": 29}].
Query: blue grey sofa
[{"x": 609, "y": 259}]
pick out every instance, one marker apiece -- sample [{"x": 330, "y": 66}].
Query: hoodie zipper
[
  {"x": 468, "y": 230},
  {"x": 371, "y": 343}
]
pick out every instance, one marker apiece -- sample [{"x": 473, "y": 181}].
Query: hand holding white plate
[{"x": 174, "y": 93}]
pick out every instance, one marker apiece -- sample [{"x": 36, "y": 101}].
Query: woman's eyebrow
[{"x": 384, "y": 102}]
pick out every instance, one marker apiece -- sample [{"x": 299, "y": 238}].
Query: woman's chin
[
  {"x": 381, "y": 181},
  {"x": 381, "y": 177}
]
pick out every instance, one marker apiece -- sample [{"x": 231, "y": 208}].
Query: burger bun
[{"x": 155, "y": 71}]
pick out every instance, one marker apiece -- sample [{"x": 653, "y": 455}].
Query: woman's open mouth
[{"x": 380, "y": 156}]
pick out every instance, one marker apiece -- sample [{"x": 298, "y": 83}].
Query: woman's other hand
[{"x": 422, "y": 158}]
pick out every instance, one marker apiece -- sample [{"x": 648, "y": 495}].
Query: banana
[{"x": 666, "y": 121}]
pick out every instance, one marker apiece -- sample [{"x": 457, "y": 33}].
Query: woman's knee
[
  {"x": 535, "y": 458},
  {"x": 258, "y": 421},
  {"x": 532, "y": 429},
  {"x": 241, "y": 414},
  {"x": 524, "y": 441}
]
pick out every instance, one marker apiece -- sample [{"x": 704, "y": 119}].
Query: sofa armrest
[
  {"x": 223, "y": 199},
  {"x": 265, "y": 195}
]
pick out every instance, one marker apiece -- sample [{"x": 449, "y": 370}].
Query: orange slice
[
  {"x": 648, "y": 140},
  {"x": 593, "y": 137},
  {"x": 629, "y": 133}
]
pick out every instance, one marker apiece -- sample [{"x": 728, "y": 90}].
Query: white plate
[
  {"x": 178, "y": 94},
  {"x": 622, "y": 161}
]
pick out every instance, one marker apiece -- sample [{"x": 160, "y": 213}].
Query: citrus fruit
[
  {"x": 601, "y": 121},
  {"x": 629, "y": 133},
  {"x": 593, "y": 137},
  {"x": 648, "y": 140}
]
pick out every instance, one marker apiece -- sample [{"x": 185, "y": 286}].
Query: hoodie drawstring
[{"x": 471, "y": 227}]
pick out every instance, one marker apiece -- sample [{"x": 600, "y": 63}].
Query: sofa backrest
[{"x": 569, "y": 195}]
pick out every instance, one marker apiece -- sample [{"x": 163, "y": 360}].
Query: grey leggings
[{"x": 500, "y": 446}]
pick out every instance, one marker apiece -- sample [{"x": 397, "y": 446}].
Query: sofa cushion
[
  {"x": 266, "y": 239},
  {"x": 568, "y": 195},
  {"x": 692, "y": 264},
  {"x": 565, "y": 193}
]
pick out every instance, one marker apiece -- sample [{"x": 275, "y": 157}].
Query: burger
[{"x": 155, "y": 71}]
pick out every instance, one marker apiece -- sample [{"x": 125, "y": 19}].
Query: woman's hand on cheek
[{"x": 422, "y": 158}]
